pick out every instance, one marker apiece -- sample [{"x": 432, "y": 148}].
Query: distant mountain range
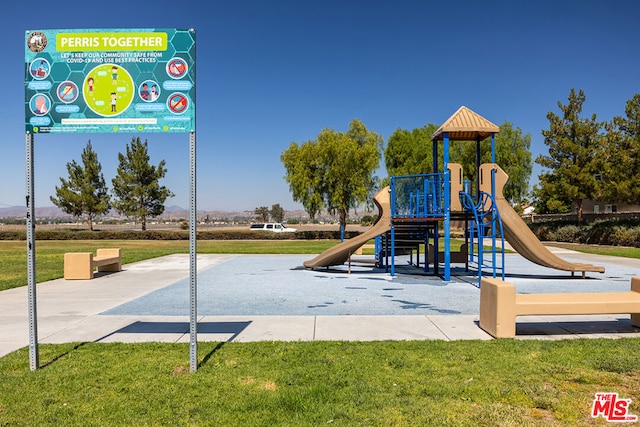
[{"x": 170, "y": 213}]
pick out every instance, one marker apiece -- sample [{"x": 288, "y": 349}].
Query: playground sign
[{"x": 110, "y": 81}]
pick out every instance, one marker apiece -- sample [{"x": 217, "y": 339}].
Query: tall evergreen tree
[
  {"x": 137, "y": 186},
  {"x": 574, "y": 144},
  {"x": 621, "y": 156},
  {"x": 85, "y": 192}
]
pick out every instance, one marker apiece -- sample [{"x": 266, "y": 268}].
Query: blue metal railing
[{"x": 418, "y": 196}]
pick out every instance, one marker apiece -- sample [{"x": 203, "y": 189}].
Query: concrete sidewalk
[{"x": 109, "y": 308}]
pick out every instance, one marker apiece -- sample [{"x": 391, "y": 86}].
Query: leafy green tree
[
  {"x": 305, "y": 173},
  {"x": 335, "y": 171},
  {"x": 262, "y": 213},
  {"x": 545, "y": 198},
  {"x": 620, "y": 159},
  {"x": 277, "y": 213},
  {"x": 137, "y": 186},
  {"x": 410, "y": 152},
  {"x": 85, "y": 192},
  {"x": 574, "y": 144},
  {"x": 512, "y": 154}
]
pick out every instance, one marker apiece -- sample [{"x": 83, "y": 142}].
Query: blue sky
[{"x": 273, "y": 72}]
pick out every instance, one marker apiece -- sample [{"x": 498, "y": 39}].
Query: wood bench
[
  {"x": 462, "y": 256},
  {"x": 500, "y": 305},
  {"x": 365, "y": 246},
  {"x": 81, "y": 265}
]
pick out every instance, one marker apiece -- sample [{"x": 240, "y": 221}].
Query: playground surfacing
[{"x": 278, "y": 285}]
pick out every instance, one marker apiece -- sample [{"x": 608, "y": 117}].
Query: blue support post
[
  {"x": 393, "y": 251},
  {"x": 493, "y": 148},
  {"x": 426, "y": 251},
  {"x": 447, "y": 210}
]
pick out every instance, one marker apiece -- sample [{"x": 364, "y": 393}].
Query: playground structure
[{"x": 418, "y": 210}]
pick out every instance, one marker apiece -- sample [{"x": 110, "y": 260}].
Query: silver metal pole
[
  {"x": 193, "y": 272},
  {"x": 34, "y": 359}
]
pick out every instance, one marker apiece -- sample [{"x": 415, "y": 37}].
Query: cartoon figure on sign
[
  {"x": 155, "y": 92},
  {"x": 42, "y": 105},
  {"x": 114, "y": 75},
  {"x": 105, "y": 99},
  {"x": 144, "y": 92},
  {"x": 114, "y": 97}
]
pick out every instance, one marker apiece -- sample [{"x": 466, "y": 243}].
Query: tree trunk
[
  {"x": 579, "y": 203},
  {"x": 343, "y": 219},
  {"x": 144, "y": 223},
  {"x": 90, "y": 221}
]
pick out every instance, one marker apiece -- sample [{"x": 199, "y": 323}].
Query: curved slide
[
  {"x": 516, "y": 231},
  {"x": 340, "y": 253}
]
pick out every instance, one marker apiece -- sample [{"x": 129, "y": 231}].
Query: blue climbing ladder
[{"x": 484, "y": 227}]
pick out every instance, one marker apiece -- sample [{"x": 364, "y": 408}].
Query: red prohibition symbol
[
  {"x": 176, "y": 68},
  {"x": 177, "y": 103}
]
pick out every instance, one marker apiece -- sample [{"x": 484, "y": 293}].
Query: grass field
[
  {"x": 416, "y": 383},
  {"x": 50, "y": 253},
  {"x": 406, "y": 383}
]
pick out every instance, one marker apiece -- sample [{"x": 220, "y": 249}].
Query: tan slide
[
  {"x": 340, "y": 253},
  {"x": 516, "y": 231}
]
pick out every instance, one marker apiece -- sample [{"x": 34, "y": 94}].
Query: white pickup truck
[{"x": 272, "y": 226}]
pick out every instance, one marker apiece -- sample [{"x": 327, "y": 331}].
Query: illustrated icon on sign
[
  {"x": 177, "y": 68},
  {"x": 40, "y": 104},
  {"x": 67, "y": 92},
  {"x": 177, "y": 103},
  {"x": 40, "y": 69}
]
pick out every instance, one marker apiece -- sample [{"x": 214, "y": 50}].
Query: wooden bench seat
[
  {"x": 500, "y": 305},
  {"x": 461, "y": 256},
  {"x": 81, "y": 265}
]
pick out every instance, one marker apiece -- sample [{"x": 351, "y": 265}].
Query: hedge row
[
  {"x": 173, "y": 235},
  {"x": 613, "y": 233}
]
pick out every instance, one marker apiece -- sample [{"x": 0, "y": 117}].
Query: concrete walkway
[{"x": 145, "y": 302}]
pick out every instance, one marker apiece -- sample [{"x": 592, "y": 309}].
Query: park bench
[
  {"x": 500, "y": 305},
  {"x": 81, "y": 265}
]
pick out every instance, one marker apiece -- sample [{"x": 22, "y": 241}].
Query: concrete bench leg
[
  {"x": 78, "y": 265},
  {"x": 498, "y": 308},
  {"x": 110, "y": 253},
  {"x": 635, "y": 287}
]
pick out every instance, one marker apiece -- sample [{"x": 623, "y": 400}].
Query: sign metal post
[
  {"x": 34, "y": 359},
  {"x": 193, "y": 271}
]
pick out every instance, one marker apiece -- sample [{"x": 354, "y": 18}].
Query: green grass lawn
[
  {"x": 406, "y": 383},
  {"x": 415, "y": 383},
  {"x": 50, "y": 253},
  {"x": 620, "y": 251}
]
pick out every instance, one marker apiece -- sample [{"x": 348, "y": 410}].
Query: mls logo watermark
[{"x": 612, "y": 408}]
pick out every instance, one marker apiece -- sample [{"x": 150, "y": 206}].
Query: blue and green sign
[{"x": 108, "y": 81}]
